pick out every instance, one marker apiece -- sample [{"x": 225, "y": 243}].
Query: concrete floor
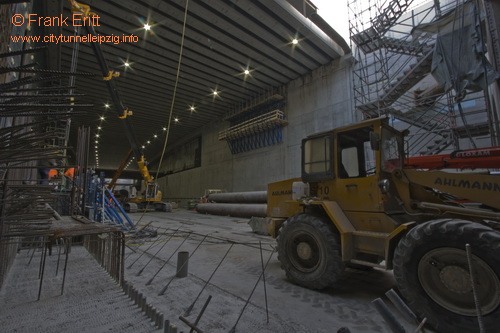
[
  {"x": 91, "y": 302},
  {"x": 291, "y": 308},
  {"x": 225, "y": 263}
]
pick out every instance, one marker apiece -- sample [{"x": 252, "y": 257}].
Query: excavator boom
[
  {"x": 152, "y": 194},
  {"x": 108, "y": 75}
]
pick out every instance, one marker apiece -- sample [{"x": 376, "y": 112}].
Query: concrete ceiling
[{"x": 222, "y": 39}]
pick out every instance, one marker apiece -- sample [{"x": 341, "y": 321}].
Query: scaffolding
[
  {"x": 392, "y": 76},
  {"x": 256, "y": 124}
]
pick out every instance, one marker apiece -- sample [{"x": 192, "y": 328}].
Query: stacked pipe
[{"x": 238, "y": 204}]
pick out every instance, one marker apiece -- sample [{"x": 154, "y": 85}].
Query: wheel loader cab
[
  {"x": 357, "y": 176},
  {"x": 346, "y": 165}
]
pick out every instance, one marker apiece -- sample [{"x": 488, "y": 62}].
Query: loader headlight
[{"x": 384, "y": 186}]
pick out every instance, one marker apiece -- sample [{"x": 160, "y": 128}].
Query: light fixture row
[
  {"x": 246, "y": 71},
  {"x": 147, "y": 27},
  {"x": 99, "y": 128}
]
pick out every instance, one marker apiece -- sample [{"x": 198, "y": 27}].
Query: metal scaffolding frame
[{"x": 392, "y": 76}]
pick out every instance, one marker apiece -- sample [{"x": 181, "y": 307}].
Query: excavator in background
[
  {"x": 152, "y": 196},
  {"x": 361, "y": 203}
]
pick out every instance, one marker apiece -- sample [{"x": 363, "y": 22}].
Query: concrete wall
[{"x": 316, "y": 102}]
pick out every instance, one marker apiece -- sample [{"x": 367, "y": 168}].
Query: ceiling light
[
  {"x": 155, "y": 136},
  {"x": 295, "y": 41},
  {"x": 215, "y": 92},
  {"x": 149, "y": 142},
  {"x": 147, "y": 27},
  {"x": 126, "y": 64},
  {"x": 246, "y": 72},
  {"x": 106, "y": 106},
  {"x": 99, "y": 127},
  {"x": 96, "y": 147},
  {"x": 176, "y": 120},
  {"x": 102, "y": 118},
  {"x": 96, "y": 141},
  {"x": 143, "y": 147},
  {"x": 97, "y": 135},
  {"x": 164, "y": 128}
]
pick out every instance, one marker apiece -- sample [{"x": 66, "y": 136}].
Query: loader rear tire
[
  {"x": 309, "y": 252},
  {"x": 432, "y": 273}
]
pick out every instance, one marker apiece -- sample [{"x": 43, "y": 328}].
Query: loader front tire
[
  {"x": 309, "y": 252},
  {"x": 432, "y": 274}
]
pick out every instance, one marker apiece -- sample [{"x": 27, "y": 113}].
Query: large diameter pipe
[
  {"x": 232, "y": 209},
  {"x": 239, "y": 197}
]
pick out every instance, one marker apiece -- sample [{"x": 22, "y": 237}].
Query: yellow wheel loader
[{"x": 360, "y": 203}]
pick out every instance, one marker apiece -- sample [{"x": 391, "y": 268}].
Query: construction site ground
[{"x": 226, "y": 262}]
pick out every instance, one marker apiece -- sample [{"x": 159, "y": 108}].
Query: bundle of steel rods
[
  {"x": 108, "y": 249},
  {"x": 37, "y": 102}
]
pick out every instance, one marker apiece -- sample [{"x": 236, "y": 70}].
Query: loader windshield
[
  {"x": 356, "y": 157},
  {"x": 317, "y": 158},
  {"x": 392, "y": 150}
]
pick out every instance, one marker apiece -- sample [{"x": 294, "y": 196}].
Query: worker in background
[
  {"x": 44, "y": 167},
  {"x": 70, "y": 173},
  {"x": 53, "y": 174}
]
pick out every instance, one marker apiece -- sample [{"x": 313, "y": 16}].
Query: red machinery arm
[
  {"x": 480, "y": 158},
  {"x": 120, "y": 169}
]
